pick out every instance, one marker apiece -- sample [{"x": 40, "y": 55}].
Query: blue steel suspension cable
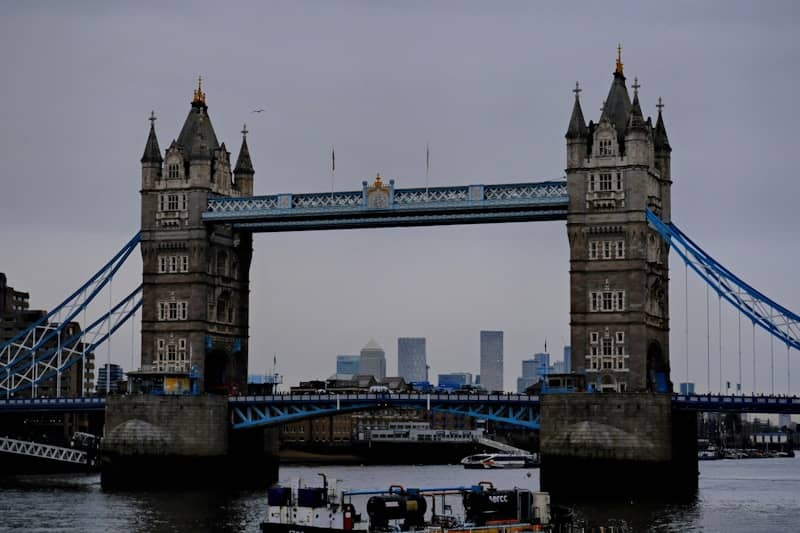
[
  {"x": 102, "y": 276},
  {"x": 770, "y": 315}
]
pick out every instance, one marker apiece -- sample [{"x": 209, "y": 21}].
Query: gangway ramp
[
  {"x": 43, "y": 451},
  {"x": 503, "y": 447}
]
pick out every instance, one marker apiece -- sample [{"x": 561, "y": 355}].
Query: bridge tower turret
[
  {"x": 619, "y": 311},
  {"x": 195, "y": 277},
  {"x": 243, "y": 173}
]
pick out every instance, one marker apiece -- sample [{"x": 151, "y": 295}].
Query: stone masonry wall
[
  {"x": 192, "y": 426},
  {"x": 629, "y": 427}
]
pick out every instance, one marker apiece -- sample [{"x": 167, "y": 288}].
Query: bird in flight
[{"x": 258, "y": 110}]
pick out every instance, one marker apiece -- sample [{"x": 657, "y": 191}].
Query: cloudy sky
[{"x": 487, "y": 84}]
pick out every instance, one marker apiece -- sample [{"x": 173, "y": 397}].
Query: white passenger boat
[{"x": 500, "y": 460}]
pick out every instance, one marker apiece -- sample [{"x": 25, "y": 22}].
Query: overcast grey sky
[{"x": 486, "y": 83}]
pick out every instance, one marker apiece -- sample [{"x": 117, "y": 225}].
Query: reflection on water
[{"x": 743, "y": 495}]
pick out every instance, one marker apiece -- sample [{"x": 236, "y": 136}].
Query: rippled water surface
[{"x": 744, "y": 495}]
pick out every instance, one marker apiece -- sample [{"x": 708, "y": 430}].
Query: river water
[{"x": 734, "y": 495}]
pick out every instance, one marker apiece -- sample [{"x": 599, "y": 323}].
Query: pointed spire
[
  {"x": 618, "y": 103},
  {"x": 197, "y": 129},
  {"x": 577, "y": 124},
  {"x": 660, "y": 134},
  {"x": 635, "y": 118},
  {"x": 152, "y": 153},
  {"x": 243, "y": 164}
]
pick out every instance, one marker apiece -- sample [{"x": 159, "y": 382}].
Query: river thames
[{"x": 734, "y": 495}]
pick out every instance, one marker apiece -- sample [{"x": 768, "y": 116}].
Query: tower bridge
[{"x": 198, "y": 218}]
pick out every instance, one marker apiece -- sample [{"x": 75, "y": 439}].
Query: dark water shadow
[{"x": 632, "y": 513}]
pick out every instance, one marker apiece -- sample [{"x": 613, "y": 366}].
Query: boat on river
[
  {"x": 327, "y": 509},
  {"x": 500, "y": 460}
]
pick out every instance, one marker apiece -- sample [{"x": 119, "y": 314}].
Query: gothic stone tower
[
  {"x": 619, "y": 310},
  {"x": 196, "y": 277}
]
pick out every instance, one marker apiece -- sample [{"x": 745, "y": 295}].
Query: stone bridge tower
[
  {"x": 619, "y": 275},
  {"x": 195, "y": 277}
]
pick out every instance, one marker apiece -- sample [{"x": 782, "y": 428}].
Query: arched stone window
[{"x": 222, "y": 264}]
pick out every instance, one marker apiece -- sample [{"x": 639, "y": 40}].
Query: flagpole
[
  {"x": 333, "y": 172},
  {"x": 427, "y": 166}
]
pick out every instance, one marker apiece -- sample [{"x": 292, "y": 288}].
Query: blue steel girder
[
  {"x": 49, "y": 327},
  {"x": 737, "y": 404},
  {"x": 250, "y": 416},
  {"x": 50, "y": 405},
  {"x": 523, "y": 416},
  {"x": 45, "y": 363},
  {"x": 469, "y": 204},
  {"x": 760, "y": 309},
  {"x": 254, "y": 411}
]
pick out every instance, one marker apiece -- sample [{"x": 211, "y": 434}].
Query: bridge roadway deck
[{"x": 310, "y": 405}]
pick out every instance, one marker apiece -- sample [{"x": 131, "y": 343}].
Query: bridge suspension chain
[
  {"x": 46, "y": 363},
  {"x": 763, "y": 311},
  {"x": 48, "y": 347}
]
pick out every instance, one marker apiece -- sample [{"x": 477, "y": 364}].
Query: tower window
[
  {"x": 606, "y": 301},
  {"x": 172, "y": 310},
  {"x": 591, "y": 183},
  {"x": 607, "y": 250},
  {"x": 222, "y": 264},
  {"x": 171, "y": 355},
  {"x": 172, "y": 202},
  {"x": 605, "y": 182},
  {"x": 605, "y": 147},
  {"x": 171, "y": 264},
  {"x": 607, "y": 352},
  {"x": 173, "y": 171}
]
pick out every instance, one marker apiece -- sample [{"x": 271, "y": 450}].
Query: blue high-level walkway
[{"x": 468, "y": 204}]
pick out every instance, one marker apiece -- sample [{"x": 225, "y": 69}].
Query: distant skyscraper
[
  {"x": 372, "y": 361},
  {"x": 567, "y": 359},
  {"x": 529, "y": 367},
  {"x": 347, "y": 364},
  {"x": 528, "y": 376},
  {"x": 542, "y": 363},
  {"x": 533, "y": 371},
  {"x": 411, "y": 359},
  {"x": 109, "y": 382},
  {"x": 492, "y": 360},
  {"x": 454, "y": 380}
]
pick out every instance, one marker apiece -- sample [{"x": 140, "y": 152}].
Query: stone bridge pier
[
  {"x": 617, "y": 444},
  {"x": 165, "y": 441}
]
